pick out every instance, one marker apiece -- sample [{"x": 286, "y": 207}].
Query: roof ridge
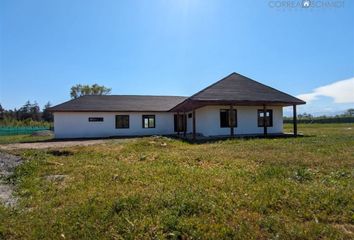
[
  {"x": 269, "y": 86},
  {"x": 130, "y": 95},
  {"x": 213, "y": 84},
  {"x": 204, "y": 89}
]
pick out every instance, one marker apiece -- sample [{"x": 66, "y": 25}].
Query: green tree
[
  {"x": 349, "y": 112},
  {"x": 2, "y": 110},
  {"x": 46, "y": 115},
  {"x": 305, "y": 116},
  {"x": 79, "y": 90},
  {"x": 29, "y": 111},
  {"x": 35, "y": 112}
]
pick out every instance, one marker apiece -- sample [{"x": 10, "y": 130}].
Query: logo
[{"x": 306, "y": 3}]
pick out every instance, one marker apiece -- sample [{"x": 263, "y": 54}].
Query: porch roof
[{"x": 237, "y": 89}]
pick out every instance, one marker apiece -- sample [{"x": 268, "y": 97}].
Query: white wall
[
  {"x": 76, "y": 125},
  {"x": 208, "y": 120}
]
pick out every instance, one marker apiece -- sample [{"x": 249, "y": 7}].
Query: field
[
  {"x": 158, "y": 188},
  {"x": 22, "y": 139}
]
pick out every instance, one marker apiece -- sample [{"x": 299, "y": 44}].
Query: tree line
[
  {"x": 31, "y": 114},
  {"x": 346, "y": 117},
  {"x": 28, "y": 113}
]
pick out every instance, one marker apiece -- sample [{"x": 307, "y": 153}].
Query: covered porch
[
  {"x": 237, "y": 116},
  {"x": 239, "y": 105}
]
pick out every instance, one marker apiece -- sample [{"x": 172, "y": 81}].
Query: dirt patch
[
  {"x": 6, "y": 195},
  {"x": 8, "y": 163},
  {"x": 54, "y": 144},
  {"x": 56, "y": 178},
  {"x": 60, "y": 153},
  {"x": 346, "y": 228}
]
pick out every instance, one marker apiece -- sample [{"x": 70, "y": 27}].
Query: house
[{"x": 235, "y": 105}]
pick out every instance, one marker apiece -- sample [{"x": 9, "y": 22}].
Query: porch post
[
  {"x": 264, "y": 120},
  {"x": 177, "y": 123},
  {"x": 185, "y": 124},
  {"x": 295, "y": 120},
  {"x": 194, "y": 130},
  {"x": 231, "y": 121}
]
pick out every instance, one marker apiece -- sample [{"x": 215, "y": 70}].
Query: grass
[
  {"x": 22, "y": 138},
  {"x": 293, "y": 188}
]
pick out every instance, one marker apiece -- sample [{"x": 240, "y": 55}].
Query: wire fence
[{"x": 6, "y": 131}]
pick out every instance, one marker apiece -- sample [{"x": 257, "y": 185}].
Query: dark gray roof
[
  {"x": 233, "y": 89},
  {"x": 119, "y": 103},
  {"x": 236, "y": 87}
]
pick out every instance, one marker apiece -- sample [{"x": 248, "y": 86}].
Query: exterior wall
[
  {"x": 76, "y": 125},
  {"x": 208, "y": 120}
]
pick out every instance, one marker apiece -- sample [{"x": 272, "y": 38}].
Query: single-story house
[{"x": 235, "y": 105}]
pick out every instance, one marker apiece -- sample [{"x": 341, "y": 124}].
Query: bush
[{"x": 9, "y": 122}]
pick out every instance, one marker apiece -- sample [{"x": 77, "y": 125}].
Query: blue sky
[{"x": 173, "y": 47}]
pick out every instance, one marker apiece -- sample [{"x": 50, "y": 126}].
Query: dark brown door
[{"x": 180, "y": 123}]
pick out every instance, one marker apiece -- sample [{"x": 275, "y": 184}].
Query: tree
[
  {"x": 349, "y": 112},
  {"x": 305, "y": 116},
  {"x": 46, "y": 115},
  {"x": 35, "y": 112},
  {"x": 24, "y": 112},
  {"x": 80, "y": 90},
  {"x": 29, "y": 111},
  {"x": 1, "y": 112}
]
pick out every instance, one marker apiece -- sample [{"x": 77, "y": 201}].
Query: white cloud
[{"x": 341, "y": 92}]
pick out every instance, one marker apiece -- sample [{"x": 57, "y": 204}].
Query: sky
[{"x": 176, "y": 47}]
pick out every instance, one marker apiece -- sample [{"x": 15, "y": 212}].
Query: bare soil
[
  {"x": 8, "y": 163},
  {"x": 56, "y": 144}
]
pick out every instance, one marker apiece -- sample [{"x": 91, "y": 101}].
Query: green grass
[
  {"x": 293, "y": 188},
  {"x": 22, "y": 138}
]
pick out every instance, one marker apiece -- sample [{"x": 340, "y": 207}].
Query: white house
[{"x": 206, "y": 113}]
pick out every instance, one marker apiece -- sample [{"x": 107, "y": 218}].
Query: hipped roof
[
  {"x": 119, "y": 103},
  {"x": 235, "y": 89}
]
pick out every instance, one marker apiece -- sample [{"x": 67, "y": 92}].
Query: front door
[{"x": 180, "y": 122}]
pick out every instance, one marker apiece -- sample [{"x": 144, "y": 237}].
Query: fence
[{"x": 5, "y": 131}]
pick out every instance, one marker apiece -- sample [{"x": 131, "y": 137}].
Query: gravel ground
[
  {"x": 8, "y": 163},
  {"x": 54, "y": 144}
]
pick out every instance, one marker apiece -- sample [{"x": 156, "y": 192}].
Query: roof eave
[
  {"x": 88, "y": 110},
  {"x": 191, "y": 104}
]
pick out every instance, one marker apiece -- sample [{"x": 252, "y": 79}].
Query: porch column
[
  {"x": 177, "y": 123},
  {"x": 231, "y": 121},
  {"x": 185, "y": 124},
  {"x": 295, "y": 120},
  {"x": 194, "y": 126},
  {"x": 264, "y": 120}
]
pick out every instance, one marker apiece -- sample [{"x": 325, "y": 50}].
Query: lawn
[
  {"x": 157, "y": 188},
  {"x": 22, "y": 138}
]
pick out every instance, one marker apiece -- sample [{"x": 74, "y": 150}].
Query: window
[
  {"x": 180, "y": 123},
  {"x": 224, "y": 118},
  {"x": 269, "y": 118},
  {"x": 122, "y": 121},
  {"x": 148, "y": 121},
  {"x": 95, "y": 119}
]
